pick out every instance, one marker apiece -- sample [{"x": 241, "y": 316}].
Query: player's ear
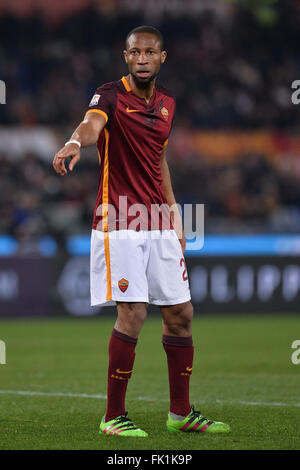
[
  {"x": 163, "y": 56},
  {"x": 125, "y": 55}
]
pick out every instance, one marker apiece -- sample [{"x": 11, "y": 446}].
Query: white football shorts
[{"x": 131, "y": 266}]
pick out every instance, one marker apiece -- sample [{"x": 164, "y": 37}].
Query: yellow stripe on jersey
[
  {"x": 104, "y": 216},
  {"x": 126, "y": 84},
  {"x": 166, "y": 142},
  {"x": 99, "y": 111},
  {"x": 105, "y": 182},
  {"x": 108, "y": 270}
]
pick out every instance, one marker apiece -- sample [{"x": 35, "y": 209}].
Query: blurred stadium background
[{"x": 235, "y": 146}]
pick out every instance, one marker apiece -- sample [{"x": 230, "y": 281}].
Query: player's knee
[
  {"x": 186, "y": 315},
  {"x": 131, "y": 316},
  {"x": 180, "y": 320},
  {"x": 189, "y": 312}
]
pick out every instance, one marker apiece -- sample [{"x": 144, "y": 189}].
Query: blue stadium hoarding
[
  {"x": 214, "y": 245},
  {"x": 59, "y": 285},
  {"x": 220, "y": 245},
  {"x": 231, "y": 274}
]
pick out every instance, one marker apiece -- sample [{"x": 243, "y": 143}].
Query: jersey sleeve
[
  {"x": 103, "y": 101},
  {"x": 172, "y": 122}
]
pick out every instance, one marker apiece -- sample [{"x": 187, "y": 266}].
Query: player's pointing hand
[{"x": 72, "y": 151}]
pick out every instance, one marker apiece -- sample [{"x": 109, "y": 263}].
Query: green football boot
[
  {"x": 120, "y": 426},
  {"x": 195, "y": 422}
]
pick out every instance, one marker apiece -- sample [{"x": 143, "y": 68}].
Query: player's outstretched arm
[{"x": 86, "y": 134}]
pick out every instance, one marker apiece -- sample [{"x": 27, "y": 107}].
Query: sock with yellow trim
[
  {"x": 121, "y": 359},
  {"x": 180, "y": 354}
]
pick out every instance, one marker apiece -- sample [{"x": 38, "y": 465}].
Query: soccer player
[{"x": 130, "y": 120}]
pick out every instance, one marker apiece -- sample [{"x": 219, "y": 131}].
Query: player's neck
[{"x": 145, "y": 93}]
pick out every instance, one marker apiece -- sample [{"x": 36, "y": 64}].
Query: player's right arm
[{"x": 87, "y": 133}]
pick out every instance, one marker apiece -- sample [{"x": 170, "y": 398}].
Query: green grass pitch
[{"x": 242, "y": 375}]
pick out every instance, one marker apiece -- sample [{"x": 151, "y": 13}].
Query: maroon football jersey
[{"x": 130, "y": 148}]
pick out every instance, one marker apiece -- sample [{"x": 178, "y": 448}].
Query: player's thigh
[
  {"x": 166, "y": 272},
  {"x": 120, "y": 261}
]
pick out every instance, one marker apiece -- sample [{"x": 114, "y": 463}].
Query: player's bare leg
[
  {"x": 131, "y": 317},
  {"x": 177, "y": 319},
  {"x": 178, "y": 344}
]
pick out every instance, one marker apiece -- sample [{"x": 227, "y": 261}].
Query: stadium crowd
[
  {"x": 239, "y": 72},
  {"x": 250, "y": 196},
  {"x": 225, "y": 75}
]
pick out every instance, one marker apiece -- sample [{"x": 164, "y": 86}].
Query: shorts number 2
[{"x": 184, "y": 274}]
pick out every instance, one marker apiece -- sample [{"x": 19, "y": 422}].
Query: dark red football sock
[
  {"x": 121, "y": 360},
  {"x": 180, "y": 354}
]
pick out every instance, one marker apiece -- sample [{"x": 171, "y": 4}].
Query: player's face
[{"x": 144, "y": 57}]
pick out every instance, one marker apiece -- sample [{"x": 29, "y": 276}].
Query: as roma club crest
[
  {"x": 123, "y": 284},
  {"x": 165, "y": 113}
]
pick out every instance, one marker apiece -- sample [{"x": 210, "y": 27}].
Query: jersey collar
[
  {"x": 128, "y": 88},
  {"x": 126, "y": 84}
]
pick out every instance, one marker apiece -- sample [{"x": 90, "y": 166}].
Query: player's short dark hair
[{"x": 146, "y": 29}]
